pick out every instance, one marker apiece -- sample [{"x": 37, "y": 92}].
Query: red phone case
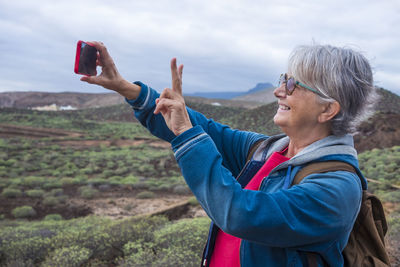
[{"x": 78, "y": 55}]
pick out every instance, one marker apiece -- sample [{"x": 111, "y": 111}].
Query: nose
[{"x": 280, "y": 91}]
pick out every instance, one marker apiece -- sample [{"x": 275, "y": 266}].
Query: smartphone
[{"x": 85, "y": 60}]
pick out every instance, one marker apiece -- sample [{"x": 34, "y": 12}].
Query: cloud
[{"x": 225, "y": 45}]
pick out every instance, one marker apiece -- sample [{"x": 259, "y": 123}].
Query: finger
[
  {"x": 164, "y": 105},
  {"x": 155, "y": 110},
  {"x": 159, "y": 106},
  {"x": 180, "y": 71},
  {"x": 173, "y": 69},
  {"x": 176, "y": 80},
  {"x": 166, "y": 93},
  {"x": 91, "y": 79},
  {"x": 98, "y": 60},
  {"x": 104, "y": 55}
]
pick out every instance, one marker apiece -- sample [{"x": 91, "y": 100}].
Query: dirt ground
[
  {"x": 9, "y": 130},
  {"x": 117, "y": 203},
  {"x": 62, "y": 137},
  {"x": 120, "y": 143},
  {"x": 122, "y": 207}
]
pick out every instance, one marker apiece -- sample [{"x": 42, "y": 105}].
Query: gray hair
[{"x": 339, "y": 74}]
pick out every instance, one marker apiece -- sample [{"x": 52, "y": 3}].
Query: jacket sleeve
[
  {"x": 232, "y": 145},
  {"x": 321, "y": 208}
]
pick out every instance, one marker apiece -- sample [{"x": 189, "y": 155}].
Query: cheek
[{"x": 305, "y": 108}]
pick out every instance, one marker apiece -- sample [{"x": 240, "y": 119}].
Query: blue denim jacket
[{"x": 277, "y": 224}]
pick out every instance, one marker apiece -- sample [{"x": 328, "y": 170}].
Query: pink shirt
[{"x": 226, "y": 249}]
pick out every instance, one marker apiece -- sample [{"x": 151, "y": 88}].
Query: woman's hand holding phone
[
  {"x": 170, "y": 104},
  {"x": 109, "y": 77}
]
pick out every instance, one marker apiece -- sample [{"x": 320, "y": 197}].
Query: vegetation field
[
  {"x": 83, "y": 188},
  {"x": 55, "y": 169}
]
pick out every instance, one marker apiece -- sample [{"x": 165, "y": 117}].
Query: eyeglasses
[{"x": 291, "y": 83}]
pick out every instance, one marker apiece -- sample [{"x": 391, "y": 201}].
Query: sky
[{"x": 225, "y": 45}]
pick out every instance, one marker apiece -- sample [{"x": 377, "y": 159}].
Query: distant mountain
[
  {"x": 259, "y": 87},
  {"x": 216, "y": 95},
  {"x": 263, "y": 96},
  {"x": 389, "y": 102},
  {"x": 230, "y": 94}
]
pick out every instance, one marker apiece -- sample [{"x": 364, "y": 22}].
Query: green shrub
[
  {"x": 18, "y": 263},
  {"x": 164, "y": 187},
  {"x": 176, "y": 244},
  {"x": 129, "y": 207},
  {"x": 88, "y": 170},
  {"x": 145, "y": 194},
  {"x": 35, "y": 192},
  {"x": 52, "y": 184},
  {"x": 11, "y": 192},
  {"x": 121, "y": 171},
  {"x": 2, "y": 183},
  {"x": 23, "y": 212},
  {"x": 56, "y": 192},
  {"x": 394, "y": 225},
  {"x": 67, "y": 181},
  {"x": 140, "y": 185},
  {"x": 68, "y": 256},
  {"x": 181, "y": 189},
  {"x": 33, "y": 181},
  {"x": 129, "y": 180},
  {"x": 88, "y": 192},
  {"x": 107, "y": 173},
  {"x": 391, "y": 196},
  {"x": 10, "y": 162},
  {"x": 53, "y": 217},
  {"x": 3, "y": 173},
  {"x": 146, "y": 168},
  {"x": 15, "y": 182},
  {"x": 50, "y": 201},
  {"x": 97, "y": 181},
  {"x": 193, "y": 201},
  {"x": 80, "y": 179}
]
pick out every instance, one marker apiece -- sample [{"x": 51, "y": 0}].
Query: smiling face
[{"x": 299, "y": 112}]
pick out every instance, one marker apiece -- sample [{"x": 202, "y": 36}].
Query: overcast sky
[{"x": 228, "y": 45}]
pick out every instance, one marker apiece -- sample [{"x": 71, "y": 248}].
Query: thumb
[{"x": 90, "y": 79}]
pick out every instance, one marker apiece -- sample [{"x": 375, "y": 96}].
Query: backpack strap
[
  {"x": 321, "y": 167},
  {"x": 253, "y": 149}
]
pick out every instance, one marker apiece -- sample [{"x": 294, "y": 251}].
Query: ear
[{"x": 330, "y": 111}]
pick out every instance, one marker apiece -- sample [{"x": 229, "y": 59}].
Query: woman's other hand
[
  {"x": 110, "y": 77},
  {"x": 171, "y": 104}
]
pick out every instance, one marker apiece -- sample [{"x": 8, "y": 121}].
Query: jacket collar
[{"x": 329, "y": 148}]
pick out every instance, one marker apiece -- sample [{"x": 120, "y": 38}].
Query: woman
[{"x": 258, "y": 219}]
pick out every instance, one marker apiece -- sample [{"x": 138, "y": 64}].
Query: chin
[
  {"x": 280, "y": 124},
  {"x": 277, "y": 120}
]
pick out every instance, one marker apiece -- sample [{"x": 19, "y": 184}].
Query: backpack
[{"x": 366, "y": 244}]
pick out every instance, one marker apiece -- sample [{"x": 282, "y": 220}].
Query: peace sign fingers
[{"x": 176, "y": 73}]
